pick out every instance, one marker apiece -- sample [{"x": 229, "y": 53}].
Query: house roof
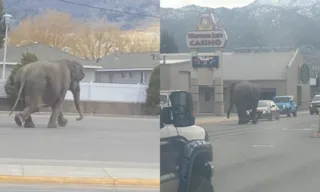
[
  {"x": 247, "y": 66},
  {"x": 129, "y": 61},
  {"x": 43, "y": 52}
]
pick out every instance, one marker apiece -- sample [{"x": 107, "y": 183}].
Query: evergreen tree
[
  {"x": 153, "y": 93},
  {"x": 2, "y": 24},
  {"x": 10, "y": 87},
  {"x": 167, "y": 43}
]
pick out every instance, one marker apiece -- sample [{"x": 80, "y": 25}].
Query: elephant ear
[{"x": 76, "y": 70}]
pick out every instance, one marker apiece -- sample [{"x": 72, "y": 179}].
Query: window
[{"x": 207, "y": 95}]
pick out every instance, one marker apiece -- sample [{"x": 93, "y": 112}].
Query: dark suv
[
  {"x": 314, "y": 105},
  {"x": 186, "y": 153}
]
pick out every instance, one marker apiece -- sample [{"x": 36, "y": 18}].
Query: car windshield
[
  {"x": 163, "y": 98},
  {"x": 316, "y": 98},
  {"x": 263, "y": 104},
  {"x": 281, "y": 99}
]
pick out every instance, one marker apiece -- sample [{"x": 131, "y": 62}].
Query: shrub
[
  {"x": 10, "y": 86},
  {"x": 153, "y": 93}
]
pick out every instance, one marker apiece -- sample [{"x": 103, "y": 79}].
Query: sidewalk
[{"x": 99, "y": 173}]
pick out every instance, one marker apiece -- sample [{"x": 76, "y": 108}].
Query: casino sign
[{"x": 200, "y": 39}]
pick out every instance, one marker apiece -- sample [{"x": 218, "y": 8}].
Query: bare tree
[
  {"x": 51, "y": 28},
  {"x": 95, "y": 42}
]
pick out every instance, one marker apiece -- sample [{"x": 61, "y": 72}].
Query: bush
[
  {"x": 9, "y": 86},
  {"x": 152, "y": 106}
]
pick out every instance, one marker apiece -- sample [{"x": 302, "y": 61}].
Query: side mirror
[
  {"x": 182, "y": 109},
  {"x": 166, "y": 116}
]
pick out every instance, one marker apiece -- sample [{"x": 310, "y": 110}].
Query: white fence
[{"x": 133, "y": 93}]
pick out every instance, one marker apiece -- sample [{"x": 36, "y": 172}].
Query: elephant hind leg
[
  {"x": 25, "y": 116},
  {"x": 29, "y": 123},
  {"x": 62, "y": 122},
  {"x": 56, "y": 115}
]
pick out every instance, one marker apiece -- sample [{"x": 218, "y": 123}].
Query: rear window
[
  {"x": 281, "y": 99},
  {"x": 316, "y": 98},
  {"x": 263, "y": 104}
]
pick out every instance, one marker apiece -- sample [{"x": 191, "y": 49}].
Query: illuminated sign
[{"x": 205, "y": 62}]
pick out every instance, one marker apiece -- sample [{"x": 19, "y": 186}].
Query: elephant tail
[{"x": 18, "y": 97}]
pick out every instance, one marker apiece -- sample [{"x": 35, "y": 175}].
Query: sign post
[{"x": 209, "y": 36}]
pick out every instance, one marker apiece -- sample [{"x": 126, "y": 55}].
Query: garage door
[{"x": 184, "y": 80}]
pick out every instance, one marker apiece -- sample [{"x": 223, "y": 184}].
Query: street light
[{"x": 7, "y": 19}]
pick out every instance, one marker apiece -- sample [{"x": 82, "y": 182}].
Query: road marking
[
  {"x": 272, "y": 146},
  {"x": 303, "y": 129},
  {"x": 238, "y": 133}
]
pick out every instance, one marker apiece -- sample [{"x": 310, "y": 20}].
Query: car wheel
[
  {"x": 278, "y": 116},
  {"x": 270, "y": 118},
  {"x": 288, "y": 113},
  {"x": 294, "y": 113},
  {"x": 200, "y": 184}
]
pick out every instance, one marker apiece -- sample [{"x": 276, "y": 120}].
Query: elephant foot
[
  {"x": 62, "y": 122},
  {"x": 29, "y": 125},
  {"x": 52, "y": 125},
  {"x": 240, "y": 122},
  {"x": 18, "y": 119}
]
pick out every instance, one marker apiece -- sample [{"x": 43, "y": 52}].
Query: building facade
[{"x": 274, "y": 73}]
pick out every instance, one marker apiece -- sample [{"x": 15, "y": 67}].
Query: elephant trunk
[
  {"x": 230, "y": 108},
  {"x": 231, "y": 100},
  {"x": 76, "y": 98}
]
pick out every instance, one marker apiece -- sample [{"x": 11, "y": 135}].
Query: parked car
[
  {"x": 186, "y": 153},
  {"x": 314, "y": 105},
  {"x": 286, "y": 105},
  {"x": 267, "y": 109}
]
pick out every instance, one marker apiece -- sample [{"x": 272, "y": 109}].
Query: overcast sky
[{"x": 205, "y": 3}]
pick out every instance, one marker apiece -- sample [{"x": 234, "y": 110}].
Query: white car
[{"x": 267, "y": 109}]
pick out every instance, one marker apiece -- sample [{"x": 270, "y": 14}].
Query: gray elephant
[
  {"x": 45, "y": 83},
  {"x": 245, "y": 96}
]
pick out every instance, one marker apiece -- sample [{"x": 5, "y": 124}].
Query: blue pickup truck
[{"x": 286, "y": 105}]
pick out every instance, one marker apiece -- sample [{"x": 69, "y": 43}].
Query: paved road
[
  {"x": 277, "y": 156},
  {"x": 56, "y": 188},
  {"x": 94, "y": 138}
]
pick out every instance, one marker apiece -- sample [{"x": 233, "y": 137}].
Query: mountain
[
  {"x": 21, "y": 9},
  {"x": 261, "y": 23}
]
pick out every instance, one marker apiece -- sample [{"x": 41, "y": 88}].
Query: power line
[{"x": 106, "y": 9}]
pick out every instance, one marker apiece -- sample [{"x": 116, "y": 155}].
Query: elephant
[
  {"x": 45, "y": 84},
  {"x": 245, "y": 95}
]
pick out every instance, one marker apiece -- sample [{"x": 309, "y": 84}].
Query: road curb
[
  {"x": 89, "y": 181},
  {"x": 214, "y": 121}
]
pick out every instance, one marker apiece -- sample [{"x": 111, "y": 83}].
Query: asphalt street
[
  {"x": 277, "y": 156},
  {"x": 56, "y": 188},
  {"x": 112, "y": 139}
]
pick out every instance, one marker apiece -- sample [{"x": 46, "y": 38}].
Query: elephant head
[
  {"x": 76, "y": 74},
  {"x": 231, "y": 100}
]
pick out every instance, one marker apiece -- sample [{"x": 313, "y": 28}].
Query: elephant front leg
[
  {"x": 61, "y": 120},
  {"x": 254, "y": 114}
]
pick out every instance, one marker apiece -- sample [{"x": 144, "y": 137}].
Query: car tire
[
  {"x": 200, "y": 184},
  {"x": 294, "y": 113},
  {"x": 270, "y": 118},
  {"x": 288, "y": 113},
  {"x": 278, "y": 116}
]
